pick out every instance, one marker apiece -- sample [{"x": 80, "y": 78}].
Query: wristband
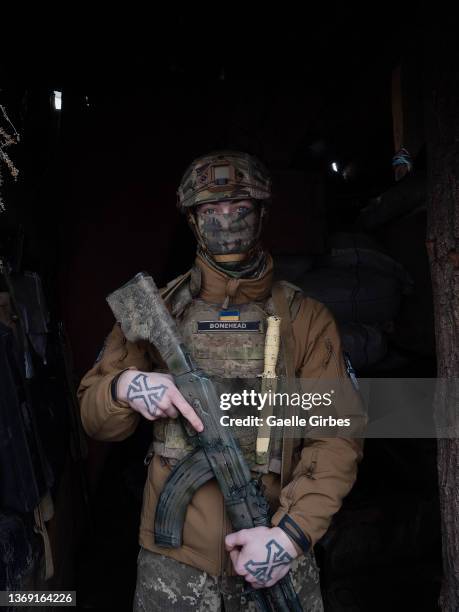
[
  {"x": 114, "y": 383},
  {"x": 288, "y": 525}
]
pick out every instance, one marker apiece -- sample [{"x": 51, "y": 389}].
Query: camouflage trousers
[{"x": 167, "y": 585}]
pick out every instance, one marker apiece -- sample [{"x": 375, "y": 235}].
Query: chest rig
[{"x": 225, "y": 350}]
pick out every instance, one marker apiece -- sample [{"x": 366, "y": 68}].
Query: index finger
[
  {"x": 234, "y": 555},
  {"x": 186, "y": 410}
]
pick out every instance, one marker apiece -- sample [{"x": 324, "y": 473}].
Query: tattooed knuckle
[
  {"x": 144, "y": 395},
  {"x": 276, "y": 563}
]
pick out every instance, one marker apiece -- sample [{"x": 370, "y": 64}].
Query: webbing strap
[{"x": 282, "y": 309}]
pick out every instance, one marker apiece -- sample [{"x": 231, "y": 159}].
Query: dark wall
[{"x": 122, "y": 159}]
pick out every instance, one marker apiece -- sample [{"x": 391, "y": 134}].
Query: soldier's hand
[
  {"x": 262, "y": 555},
  {"x": 155, "y": 396}
]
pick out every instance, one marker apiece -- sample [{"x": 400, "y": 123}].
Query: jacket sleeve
[
  {"x": 327, "y": 468},
  {"x": 104, "y": 418}
]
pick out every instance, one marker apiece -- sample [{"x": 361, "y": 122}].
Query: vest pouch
[{"x": 170, "y": 439}]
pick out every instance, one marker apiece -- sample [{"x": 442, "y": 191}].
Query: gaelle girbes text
[{"x": 254, "y": 399}]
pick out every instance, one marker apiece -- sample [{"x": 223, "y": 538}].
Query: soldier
[{"x": 225, "y": 196}]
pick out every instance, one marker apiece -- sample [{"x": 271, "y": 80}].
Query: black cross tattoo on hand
[
  {"x": 139, "y": 390},
  {"x": 262, "y": 570}
]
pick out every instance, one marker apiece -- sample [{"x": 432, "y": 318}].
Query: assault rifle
[{"x": 140, "y": 310}]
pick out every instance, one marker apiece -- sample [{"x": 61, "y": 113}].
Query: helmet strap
[{"x": 195, "y": 229}]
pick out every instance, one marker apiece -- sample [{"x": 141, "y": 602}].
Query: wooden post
[{"x": 442, "y": 123}]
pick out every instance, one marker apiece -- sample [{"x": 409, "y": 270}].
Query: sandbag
[
  {"x": 354, "y": 295},
  {"x": 352, "y": 240},
  {"x": 291, "y": 267},
  {"x": 358, "y": 257},
  {"x": 358, "y": 283},
  {"x": 365, "y": 344}
]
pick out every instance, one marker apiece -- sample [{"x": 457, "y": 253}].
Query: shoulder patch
[{"x": 350, "y": 371}]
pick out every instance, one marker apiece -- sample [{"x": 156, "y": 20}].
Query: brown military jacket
[{"x": 325, "y": 469}]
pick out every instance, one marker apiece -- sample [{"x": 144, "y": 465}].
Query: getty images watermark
[
  {"x": 275, "y": 400},
  {"x": 373, "y": 408}
]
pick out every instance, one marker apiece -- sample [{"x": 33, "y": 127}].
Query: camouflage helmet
[{"x": 223, "y": 175}]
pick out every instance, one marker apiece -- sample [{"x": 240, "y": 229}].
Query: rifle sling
[{"x": 282, "y": 309}]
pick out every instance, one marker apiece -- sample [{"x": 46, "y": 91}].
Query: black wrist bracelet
[
  {"x": 288, "y": 525},
  {"x": 113, "y": 385}
]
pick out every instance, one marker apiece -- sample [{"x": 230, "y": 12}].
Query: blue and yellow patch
[{"x": 229, "y": 315}]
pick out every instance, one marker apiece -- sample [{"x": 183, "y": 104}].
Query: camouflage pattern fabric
[
  {"x": 233, "y": 232},
  {"x": 164, "y": 584},
  {"x": 230, "y": 358},
  {"x": 223, "y": 175}
]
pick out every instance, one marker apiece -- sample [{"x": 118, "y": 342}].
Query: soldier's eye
[
  {"x": 242, "y": 209},
  {"x": 209, "y": 211}
]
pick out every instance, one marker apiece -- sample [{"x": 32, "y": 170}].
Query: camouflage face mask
[{"x": 227, "y": 233}]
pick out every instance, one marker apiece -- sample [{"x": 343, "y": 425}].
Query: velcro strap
[{"x": 160, "y": 449}]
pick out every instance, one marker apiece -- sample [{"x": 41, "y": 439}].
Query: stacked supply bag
[{"x": 363, "y": 288}]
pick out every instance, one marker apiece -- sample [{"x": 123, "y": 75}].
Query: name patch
[{"x": 228, "y": 326}]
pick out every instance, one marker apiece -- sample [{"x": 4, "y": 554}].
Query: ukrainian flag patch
[{"x": 229, "y": 315}]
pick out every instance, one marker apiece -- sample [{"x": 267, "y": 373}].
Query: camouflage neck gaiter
[
  {"x": 250, "y": 268},
  {"x": 234, "y": 232},
  {"x": 227, "y": 233}
]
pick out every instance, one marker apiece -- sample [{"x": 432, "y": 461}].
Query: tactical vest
[{"x": 225, "y": 350}]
